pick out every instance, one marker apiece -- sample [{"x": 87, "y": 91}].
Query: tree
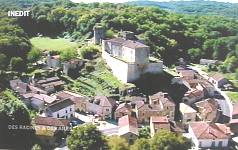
[
  {"x": 144, "y": 132},
  {"x": 195, "y": 54},
  {"x": 17, "y": 64},
  {"x": 169, "y": 141},
  {"x": 34, "y": 55},
  {"x": 117, "y": 143},
  {"x": 3, "y": 61},
  {"x": 141, "y": 144},
  {"x": 14, "y": 116},
  {"x": 85, "y": 137},
  {"x": 68, "y": 55}
]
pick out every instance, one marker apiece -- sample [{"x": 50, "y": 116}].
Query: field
[{"x": 46, "y": 43}]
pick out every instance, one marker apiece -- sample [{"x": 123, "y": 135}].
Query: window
[
  {"x": 66, "y": 111},
  {"x": 57, "y": 115},
  {"x": 107, "y": 109},
  {"x": 70, "y": 109},
  {"x": 200, "y": 144}
]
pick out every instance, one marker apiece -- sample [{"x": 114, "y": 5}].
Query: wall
[
  {"x": 142, "y": 55},
  {"x": 119, "y": 68},
  {"x": 62, "y": 113},
  {"x": 154, "y": 68}
]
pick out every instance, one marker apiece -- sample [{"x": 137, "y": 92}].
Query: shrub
[
  {"x": 90, "y": 68},
  {"x": 34, "y": 55},
  {"x": 67, "y": 55},
  {"x": 17, "y": 64},
  {"x": 87, "y": 52}
]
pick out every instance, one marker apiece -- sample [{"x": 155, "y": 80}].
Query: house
[
  {"x": 38, "y": 101},
  {"x": 218, "y": 80},
  {"x": 188, "y": 114},
  {"x": 128, "y": 59},
  {"x": 137, "y": 101},
  {"x": 61, "y": 109},
  {"x": 208, "y": 62},
  {"x": 19, "y": 86},
  {"x": 207, "y": 135},
  {"x": 165, "y": 102},
  {"x": 158, "y": 123},
  {"x": 74, "y": 64},
  {"x": 208, "y": 110},
  {"x": 187, "y": 74},
  {"x": 53, "y": 61},
  {"x": 192, "y": 96},
  {"x": 235, "y": 111},
  {"x": 128, "y": 128},
  {"x": 102, "y": 106},
  {"x": 50, "y": 85},
  {"x": 50, "y": 131},
  {"x": 79, "y": 100},
  {"x": 122, "y": 110}
]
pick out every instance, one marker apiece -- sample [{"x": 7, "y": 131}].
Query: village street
[{"x": 226, "y": 105}]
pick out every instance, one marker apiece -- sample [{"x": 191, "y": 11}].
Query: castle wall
[{"x": 154, "y": 68}]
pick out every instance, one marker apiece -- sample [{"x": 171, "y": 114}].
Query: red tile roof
[
  {"x": 159, "y": 119},
  {"x": 128, "y": 124},
  {"x": 48, "y": 121},
  {"x": 205, "y": 130}
]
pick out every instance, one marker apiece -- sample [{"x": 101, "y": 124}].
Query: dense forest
[
  {"x": 170, "y": 35},
  {"x": 196, "y": 7}
]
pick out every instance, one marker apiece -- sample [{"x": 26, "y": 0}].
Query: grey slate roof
[{"x": 60, "y": 105}]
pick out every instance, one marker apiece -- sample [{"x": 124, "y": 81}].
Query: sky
[{"x": 122, "y": 1}]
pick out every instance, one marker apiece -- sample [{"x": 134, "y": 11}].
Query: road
[{"x": 226, "y": 106}]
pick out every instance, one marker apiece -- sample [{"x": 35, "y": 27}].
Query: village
[{"x": 204, "y": 114}]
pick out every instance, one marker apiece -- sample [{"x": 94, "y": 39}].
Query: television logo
[{"x": 18, "y": 13}]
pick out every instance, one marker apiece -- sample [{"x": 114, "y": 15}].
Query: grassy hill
[{"x": 197, "y": 7}]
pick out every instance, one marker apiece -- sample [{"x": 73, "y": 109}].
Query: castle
[{"x": 127, "y": 57}]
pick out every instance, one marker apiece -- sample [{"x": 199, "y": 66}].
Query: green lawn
[
  {"x": 46, "y": 43},
  {"x": 233, "y": 96}
]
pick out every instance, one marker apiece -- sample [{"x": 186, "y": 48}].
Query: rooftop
[
  {"x": 128, "y": 124},
  {"x": 184, "y": 108},
  {"x": 48, "y": 121},
  {"x": 159, "y": 119},
  {"x": 205, "y": 130},
  {"x": 60, "y": 105},
  {"x": 127, "y": 43}
]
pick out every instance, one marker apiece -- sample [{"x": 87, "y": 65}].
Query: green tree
[
  {"x": 85, "y": 137},
  {"x": 141, "y": 144},
  {"x": 14, "y": 115},
  {"x": 117, "y": 143},
  {"x": 34, "y": 55},
  {"x": 144, "y": 132},
  {"x": 237, "y": 73},
  {"x": 17, "y": 64},
  {"x": 68, "y": 55},
  {"x": 166, "y": 140},
  {"x": 195, "y": 54},
  {"x": 3, "y": 61}
]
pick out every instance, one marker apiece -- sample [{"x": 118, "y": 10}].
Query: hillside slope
[{"x": 198, "y": 7}]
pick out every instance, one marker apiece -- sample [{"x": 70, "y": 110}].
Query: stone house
[
  {"x": 47, "y": 130},
  {"x": 158, "y": 123},
  {"x": 38, "y": 101},
  {"x": 165, "y": 102},
  {"x": 218, "y": 80},
  {"x": 102, "y": 106},
  {"x": 208, "y": 110},
  {"x": 188, "y": 114},
  {"x": 208, "y": 62},
  {"x": 122, "y": 110},
  {"x": 144, "y": 112},
  {"x": 192, "y": 96},
  {"x": 128, "y": 128},
  {"x": 74, "y": 64},
  {"x": 61, "y": 109},
  {"x": 187, "y": 74},
  {"x": 19, "y": 86},
  {"x": 128, "y": 59},
  {"x": 50, "y": 85},
  {"x": 207, "y": 135},
  {"x": 79, "y": 100}
]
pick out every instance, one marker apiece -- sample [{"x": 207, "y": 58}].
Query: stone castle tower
[{"x": 99, "y": 34}]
